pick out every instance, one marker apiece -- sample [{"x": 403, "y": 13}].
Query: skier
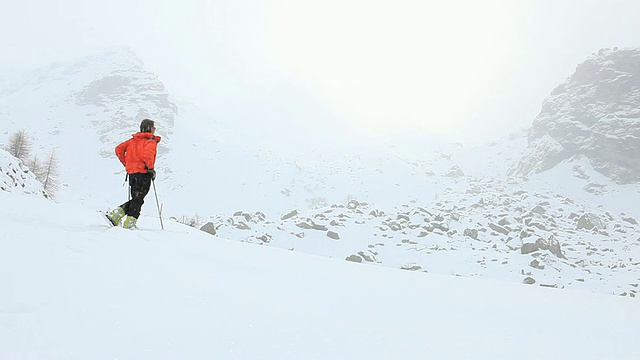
[{"x": 138, "y": 155}]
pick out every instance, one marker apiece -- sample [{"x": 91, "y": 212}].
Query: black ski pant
[{"x": 139, "y": 185}]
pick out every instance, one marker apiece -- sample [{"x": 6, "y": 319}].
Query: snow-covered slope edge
[
  {"x": 82, "y": 290},
  {"x": 15, "y": 176}
]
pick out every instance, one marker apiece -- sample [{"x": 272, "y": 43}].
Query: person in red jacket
[{"x": 138, "y": 155}]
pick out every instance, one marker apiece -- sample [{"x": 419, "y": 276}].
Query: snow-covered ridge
[{"x": 595, "y": 113}]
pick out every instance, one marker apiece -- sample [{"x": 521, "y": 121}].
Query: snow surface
[{"x": 75, "y": 288}]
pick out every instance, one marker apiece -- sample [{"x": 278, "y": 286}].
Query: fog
[{"x": 464, "y": 70}]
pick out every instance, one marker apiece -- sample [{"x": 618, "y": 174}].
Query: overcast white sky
[{"x": 461, "y": 68}]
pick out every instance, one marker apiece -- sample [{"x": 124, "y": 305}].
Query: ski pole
[
  {"x": 157, "y": 203},
  {"x": 126, "y": 177}
]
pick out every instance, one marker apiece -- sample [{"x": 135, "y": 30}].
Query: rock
[
  {"x": 554, "y": 247},
  {"x": 479, "y": 204},
  {"x": 538, "y": 225},
  {"x": 411, "y": 267},
  {"x": 352, "y": 204},
  {"x": 551, "y": 245},
  {"x": 366, "y": 257},
  {"x": 407, "y": 241},
  {"x": 377, "y": 213},
  {"x": 259, "y": 216},
  {"x": 209, "y": 228},
  {"x": 247, "y": 217},
  {"x": 589, "y": 221},
  {"x": 528, "y": 280},
  {"x": 242, "y": 226},
  {"x": 439, "y": 226},
  {"x": 555, "y": 286},
  {"x": 526, "y": 233},
  {"x": 308, "y": 224},
  {"x": 595, "y": 188},
  {"x": 289, "y": 215},
  {"x": 354, "y": 258},
  {"x": 630, "y": 220},
  {"x": 333, "y": 235},
  {"x": 528, "y": 248},
  {"x": 304, "y": 225},
  {"x": 394, "y": 226},
  {"x": 498, "y": 228},
  {"x": 539, "y": 210},
  {"x": 536, "y": 264},
  {"x": 266, "y": 238},
  {"x": 472, "y": 233},
  {"x": 455, "y": 172}
]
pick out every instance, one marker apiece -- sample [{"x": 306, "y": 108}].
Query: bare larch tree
[
  {"x": 20, "y": 145},
  {"x": 50, "y": 173}
]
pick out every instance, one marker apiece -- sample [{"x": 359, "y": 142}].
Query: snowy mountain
[
  {"x": 510, "y": 210},
  {"x": 594, "y": 114}
]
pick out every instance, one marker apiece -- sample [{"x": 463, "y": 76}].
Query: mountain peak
[
  {"x": 108, "y": 59},
  {"x": 593, "y": 114}
]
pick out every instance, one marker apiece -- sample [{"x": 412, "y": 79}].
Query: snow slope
[{"x": 74, "y": 288}]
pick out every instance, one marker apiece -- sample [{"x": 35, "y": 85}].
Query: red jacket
[{"x": 138, "y": 153}]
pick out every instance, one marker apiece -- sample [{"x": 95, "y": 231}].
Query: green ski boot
[
  {"x": 115, "y": 216},
  {"x": 129, "y": 222}
]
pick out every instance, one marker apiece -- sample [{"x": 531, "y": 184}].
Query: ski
[{"x": 107, "y": 218}]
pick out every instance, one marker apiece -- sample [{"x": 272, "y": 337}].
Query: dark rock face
[
  {"x": 209, "y": 228},
  {"x": 594, "y": 114}
]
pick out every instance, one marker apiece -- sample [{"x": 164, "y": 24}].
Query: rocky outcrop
[
  {"x": 594, "y": 114},
  {"x": 15, "y": 176}
]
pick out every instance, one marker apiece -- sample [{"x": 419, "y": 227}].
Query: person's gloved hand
[{"x": 153, "y": 173}]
